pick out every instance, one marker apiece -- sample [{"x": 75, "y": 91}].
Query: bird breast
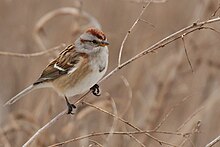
[{"x": 84, "y": 77}]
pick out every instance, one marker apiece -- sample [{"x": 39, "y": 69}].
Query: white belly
[{"x": 85, "y": 84}]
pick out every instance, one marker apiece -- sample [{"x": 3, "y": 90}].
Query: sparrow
[{"x": 76, "y": 70}]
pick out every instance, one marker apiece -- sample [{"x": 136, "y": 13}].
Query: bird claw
[
  {"x": 95, "y": 90},
  {"x": 70, "y": 107}
]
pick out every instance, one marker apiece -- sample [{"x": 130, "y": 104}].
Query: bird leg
[
  {"x": 95, "y": 90},
  {"x": 70, "y": 106}
]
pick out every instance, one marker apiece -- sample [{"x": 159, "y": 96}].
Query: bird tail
[{"x": 21, "y": 94}]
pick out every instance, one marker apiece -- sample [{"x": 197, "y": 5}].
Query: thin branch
[
  {"x": 214, "y": 13},
  {"x": 160, "y": 44},
  {"x": 170, "y": 111},
  {"x": 129, "y": 31},
  {"x": 213, "y": 29},
  {"x": 213, "y": 142},
  {"x": 51, "y": 122},
  {"x": 45, "y": 127},
  {"x": 147, "y": 22},
  {"x": 129, "y": 124},
  {"x": 187, "y": 56},
  {"x": 116, "y": 133},
  {"x": 61, "y": 11},
  {"x": 144, "y": 1},
  {"x": 32, "y": 54},
  {"x": 190, "y": 117},
  {"x": 194, "y": 131},
  {"x": 114, "y": 123},
  {"x": 96, "y": 143}
]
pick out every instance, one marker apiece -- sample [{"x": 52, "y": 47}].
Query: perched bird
[{"x": 77, "y": 68}]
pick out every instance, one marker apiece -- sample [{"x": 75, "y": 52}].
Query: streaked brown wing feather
[{"x": 66, "y": 60}]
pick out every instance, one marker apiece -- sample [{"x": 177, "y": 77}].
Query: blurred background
[{"x": 145, "y": 92}]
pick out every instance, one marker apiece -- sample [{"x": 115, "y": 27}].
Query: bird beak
[{"x": 104, "y": 43}]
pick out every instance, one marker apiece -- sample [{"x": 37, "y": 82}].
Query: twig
[
  {"x": 147, "y": 22},
  {"x": 51, "y": 122},
  {"x": 115, "y": 133},
  {"x": 116, "y": 118},
  {"x": 213, "y": 142},
  {"x": 129, "y": 31},
  {"x": 144, "y": 1},
  {"x": 214, "y": 13},
  {"x": 129, "y": 124},
  {"x": 190, "y": 117},
  {"x": 32, "y": 54},
  {"x": 169, "y": 112},
  {"x": 167, "y": 40},
  {"x": 194, "y": 130},
  {"x": 45, "y": 127},
  {"x": 210, "y": 28},
  {"x": 62, "y": 11},
  {"x": 96, "y": 143},
  {"x": 187, "y": 56}
]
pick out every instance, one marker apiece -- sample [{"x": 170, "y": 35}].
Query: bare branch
[
  {"x": 45, "y": 127},
  {"x": 190, "y": 117},
  {"x": 147, "y": 23},
  {"x": 143, "y": 1},
  {"x": 214, "y": 13},
  {"x": 33, "y": 54},
  {"x": 62, "y": 11},
  {"x": 96, "y": 143},
  {"x": 170, "y": 111},
  {"x": 129, "y": 31},
  {"x": 167, "y": 40},
  {"x": 51, "y": 122},
  {"x": 213, "y": 142},
  {"x": 117, "y": 133},
  {"x": 129, "y": 124},
  {"x": 195, "y": 130},
  {"x": 187, "y": 56}
]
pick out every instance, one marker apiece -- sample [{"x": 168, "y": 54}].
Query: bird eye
[{"x": 94, "y": 41}]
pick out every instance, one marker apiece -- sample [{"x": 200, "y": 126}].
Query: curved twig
[
  {"x": 20, "y": 55},
  {"x": 129, "y": 31},
  {"x": 61, "y": 11}
]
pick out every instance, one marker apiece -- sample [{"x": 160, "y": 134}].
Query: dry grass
[{"x": 154, "y": 100}]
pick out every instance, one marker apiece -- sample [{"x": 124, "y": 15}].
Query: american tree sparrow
[{"x": 77, "y": 68}]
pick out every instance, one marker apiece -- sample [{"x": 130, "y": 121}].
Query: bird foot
[
  {"x": 95, "y": 90},
  {"x": 70, "y": 107}
]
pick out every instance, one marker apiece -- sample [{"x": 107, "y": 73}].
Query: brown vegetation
[{"x": 153, "y": 101}]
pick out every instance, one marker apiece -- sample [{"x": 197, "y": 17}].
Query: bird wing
[{"x": 67, "y": 62}]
